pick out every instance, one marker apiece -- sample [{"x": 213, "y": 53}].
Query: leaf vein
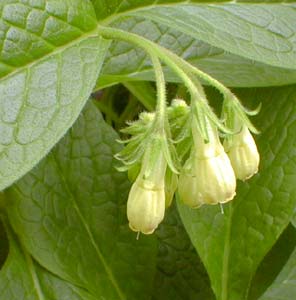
[{"x": 84, "y": 223}]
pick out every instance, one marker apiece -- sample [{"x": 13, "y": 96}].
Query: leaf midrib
[
  {"x": 86, "y": 227},
  {"x": 226, "y": 255},
  {"x": 33, "y": 273},
  {"x": 27, "y": 257},
  {"x": 132, "y": 13}
]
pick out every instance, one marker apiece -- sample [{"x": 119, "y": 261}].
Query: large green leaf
[
  {"x": 23, "y": 279},
  {"x": 105, "y": 8},
  {"x": 232, "y": 244},
  {"x": 49, "y": 63},
  {"x": 70, "y": 213},
  {"x": 125, "y": 62},
  {"x": 284, "y": 287},
  {"x": 261, "y": 32},
  {"x": 273, "y": 263},
  {"x": 180, "y": 274}
]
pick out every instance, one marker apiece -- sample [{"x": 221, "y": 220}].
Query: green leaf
[
  {"x": 49, "y": 63},
  {"x": 70, "y": 213},
  {"x": 125, "y": 62},
  {"x": 293, "y": 220},
  {"x": 22, "y": 278},
  {"x": 264, "y": 33},
  {"x": 3, "y": 244},
  {"x": 273, "y": 263},
  {"x": 232, "y": 245},
  {"x": 284, "y": 287},
  {"x": 109, "y": 8},
  {"x": 180, "y": 273}
]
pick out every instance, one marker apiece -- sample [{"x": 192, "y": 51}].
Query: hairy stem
[
  {"x": 180, "y": 66},
  {"x": 161, "y": 91},
  {"x": 184, "y": 70}
]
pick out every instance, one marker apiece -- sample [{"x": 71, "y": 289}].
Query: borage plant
[{"x": 156, "y": 191}]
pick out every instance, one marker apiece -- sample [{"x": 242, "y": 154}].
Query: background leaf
[
  {"x": 284, "y": 287},
  {"x": 273, "y": 263},
  {"x": 232, "y": 245},
  {"x": 180, "y": 273},
  {"x": 3, "y": 244},
  {"x": 50, "y": 61},
  {"x": 23, "y": 279},
  {"x": 263, "y": 32},
  {"x": 124, "y": 62},
  {"x": 106, "y": 8},
  {"x": 31, "y": 30},
  {"x": 70, "y": 213}
]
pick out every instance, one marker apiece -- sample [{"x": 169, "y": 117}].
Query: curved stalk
[{"x": 171, "y": 59}]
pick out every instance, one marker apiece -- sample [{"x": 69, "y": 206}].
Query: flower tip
[
  {"x": 145, "y": 231},
  {"x": 243, "y": 154},
  {"x": 228, "y": 198},
  {"x": 248, "y": 176}
]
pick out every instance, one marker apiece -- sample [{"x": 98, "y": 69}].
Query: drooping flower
[
  {"x": 146, "y": 201},
  {"x": 243, "y": 154},
  {"x": 207, "y": 176},
  {"x": 145, "y": 206}
]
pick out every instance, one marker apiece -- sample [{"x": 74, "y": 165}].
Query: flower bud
[
  {"x": 146, "y": 201},
  {"x": 145, "y": 206},
  {"x": 207, "y": 181},
  {"x": 207, "y": 176},
  {"x": 243, "y": 154}
]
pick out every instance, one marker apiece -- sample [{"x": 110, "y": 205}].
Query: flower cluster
[
  {"x": 179, "y": 147},
  {"x": 207, "y": 176},
  {"x": 197, "y": 165}
]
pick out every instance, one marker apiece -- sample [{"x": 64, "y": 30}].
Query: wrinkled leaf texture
[
  {"x": 49, "y": 63},
  {"x": 51, "y": 57}
]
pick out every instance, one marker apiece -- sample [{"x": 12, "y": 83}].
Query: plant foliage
[{"x": 64, "y": 233}]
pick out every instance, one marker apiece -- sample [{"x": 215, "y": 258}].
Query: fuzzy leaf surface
[
  {"x": 124, "y": 62},
  {"x": 49, "y": 62},
  {"x": 107, "y": 8},
  {"x": 262, "y": 32}
]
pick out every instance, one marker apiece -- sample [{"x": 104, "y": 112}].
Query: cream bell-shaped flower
[
  {"x": 207, "y": 176},
  {"x": 243, "y": 154},
  {"x": 146, "y": 200}
]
